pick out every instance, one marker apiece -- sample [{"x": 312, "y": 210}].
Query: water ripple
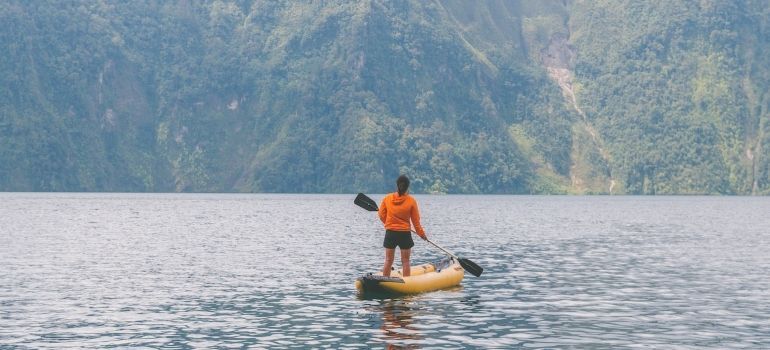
[{"x": 276, "y": 271}]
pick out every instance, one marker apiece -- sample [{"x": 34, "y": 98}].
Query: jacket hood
[{"x": 398, "y": 200}]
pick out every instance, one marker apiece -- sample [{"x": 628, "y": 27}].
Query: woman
[{"x": 396, "y": 211}]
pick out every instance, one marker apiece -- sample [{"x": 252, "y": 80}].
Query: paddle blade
[
  {"x": 365, "y": 202},
  {"x": 471, "y": 267}
]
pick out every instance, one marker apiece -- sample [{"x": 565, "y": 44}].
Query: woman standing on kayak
[{"x": 398, "y": 211}]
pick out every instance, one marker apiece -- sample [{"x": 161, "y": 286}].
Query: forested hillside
[{"x": 622, "y": 97}]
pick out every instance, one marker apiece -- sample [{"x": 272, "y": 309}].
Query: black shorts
[{"x": 402, "y": 239}]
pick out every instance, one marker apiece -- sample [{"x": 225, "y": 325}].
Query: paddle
[{"x": 367, "y": 203}]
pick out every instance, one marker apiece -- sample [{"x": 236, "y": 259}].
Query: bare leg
[
  {"x": 389, "y": 256},
  {"x": 405, "y": 262}
]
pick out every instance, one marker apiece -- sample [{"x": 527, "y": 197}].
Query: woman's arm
[{"x": 416, "y": 220}]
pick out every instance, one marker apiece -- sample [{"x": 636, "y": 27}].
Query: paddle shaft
[
  {"x": 438, "y": 246},
  {"x": 468, "y": 265},
  {"x": 444, "y": 250}
]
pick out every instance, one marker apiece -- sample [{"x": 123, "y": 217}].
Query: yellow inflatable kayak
[{"x": 424, "y": 278}]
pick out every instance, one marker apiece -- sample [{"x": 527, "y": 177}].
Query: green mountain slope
[
  {"x": 680, "y": 98},
  {"x": 342, "y": 96}
]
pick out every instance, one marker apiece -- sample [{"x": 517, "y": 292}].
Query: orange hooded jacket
[{"x": 396, "y": 211}]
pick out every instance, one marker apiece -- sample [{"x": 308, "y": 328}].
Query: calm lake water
[{"x": 273, "y": 271}]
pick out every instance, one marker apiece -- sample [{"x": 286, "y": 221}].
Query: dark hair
[{"x": 403, "y": 184}]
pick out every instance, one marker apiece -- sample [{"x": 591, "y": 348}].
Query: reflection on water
[
  {"x": 405, "y": 320},
  {"x": 277, "y": 271},
  {"x": 397, "y": 324}
]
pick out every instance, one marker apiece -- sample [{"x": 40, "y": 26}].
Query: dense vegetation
[
  {"x": 341, "y": 96},
  {"x": 680, "y": 91}
]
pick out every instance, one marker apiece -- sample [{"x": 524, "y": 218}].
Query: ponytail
[{"x": 402, "y": 183}]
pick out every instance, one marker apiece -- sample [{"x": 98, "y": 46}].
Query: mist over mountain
[{"x": 621, "y": 97}]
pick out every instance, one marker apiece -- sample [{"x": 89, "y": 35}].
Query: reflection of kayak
[{"x": 424, "y": 278}]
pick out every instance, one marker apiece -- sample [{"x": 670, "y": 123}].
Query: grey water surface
[{"x": 274, "y": 271}]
